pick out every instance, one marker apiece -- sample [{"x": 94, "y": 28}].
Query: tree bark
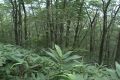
[
  {"x": 117, "y": 56},
  {"x": 105, "y": 27}
]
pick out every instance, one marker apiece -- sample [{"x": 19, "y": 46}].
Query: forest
[{"x": 59, "y": 39}]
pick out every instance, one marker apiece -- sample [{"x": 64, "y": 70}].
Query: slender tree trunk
[
  {"x": 106, "y": 27},
  {"x": 25, "y": 20},
  {"x": 62, "y": 23},
  {"x": 117, "y": 56},
  {"x": 78, "y": 22},
  {"x": 67, "y": 33},
  {"x": 48, "y": 39},
  {"x": 15, "y": 10},
  {"x": 104, "y": 31},
  {"x": 20, "y": 23},
  {"x": 56, "y": 23},
  {"x": 76, "y": 34}
]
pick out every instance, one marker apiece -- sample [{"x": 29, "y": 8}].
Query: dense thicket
[
  {"x": 17, "y": 63},
  {"x": 91, "y": 27}
]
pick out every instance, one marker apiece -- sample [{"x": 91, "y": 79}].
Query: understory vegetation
[
  {"x": 17, "y": 63},
  {"x": 59, "y": 39}
]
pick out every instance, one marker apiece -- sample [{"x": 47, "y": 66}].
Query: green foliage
[
  {"x": 115, "y": 74},
  {"x": 17, "y": 63},
  {"x": 63, "y": 60},
  {"x": 95, "y": 3}
]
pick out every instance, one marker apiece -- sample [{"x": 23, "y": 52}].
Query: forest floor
[{"x": 17, "y": 63}]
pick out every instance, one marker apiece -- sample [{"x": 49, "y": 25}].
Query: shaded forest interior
[{"x": 90, "y": 27}]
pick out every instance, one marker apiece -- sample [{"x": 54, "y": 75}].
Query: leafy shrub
[{"x": 20, "y": 64}]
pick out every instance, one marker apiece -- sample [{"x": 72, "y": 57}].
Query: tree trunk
[
  {"x": 15, "y": 12},
  {"x": 25, "y": 20},
  {"x": 117, "y": 56},
  {"x": 67, "y": 33}
]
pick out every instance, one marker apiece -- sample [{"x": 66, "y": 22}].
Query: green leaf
[
  {"x": 71, "y": 76},
  {"x": 117, "y": 68},
  {"x": 55, "y": 53},
  {"x": 66, "y": 55},
  {"x": 112, "y": 74},
  {"x": 59, "y": 51},
  {"x": 74, "y": 57},
  {"x": 16, "y": 64},
  {"x": 51, "y": 55}
]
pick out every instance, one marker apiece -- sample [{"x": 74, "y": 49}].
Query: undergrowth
[{"x": 20, "y": 64}]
